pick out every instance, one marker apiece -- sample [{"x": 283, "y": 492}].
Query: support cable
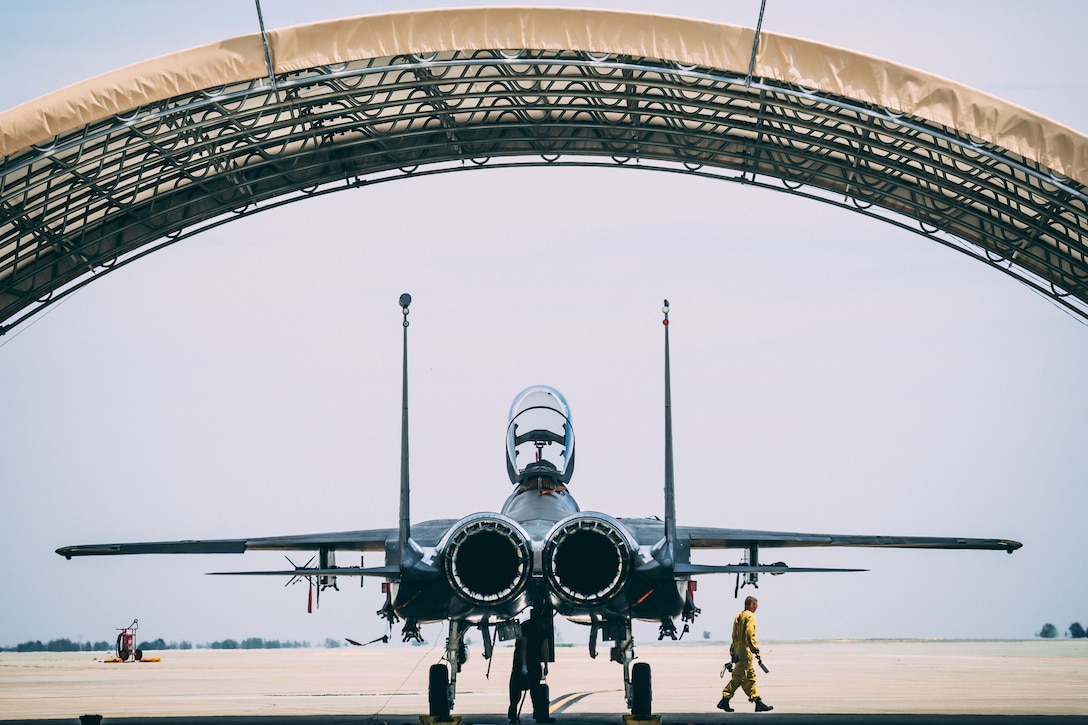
[
  {"x": 268, "y": 52},
  {"x": 755, "y": 46}
]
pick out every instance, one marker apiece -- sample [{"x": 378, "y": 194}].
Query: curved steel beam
[{"x": 81, "y": 202}]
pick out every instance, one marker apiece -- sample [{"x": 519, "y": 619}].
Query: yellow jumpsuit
[{"x": 743, "y": 651}]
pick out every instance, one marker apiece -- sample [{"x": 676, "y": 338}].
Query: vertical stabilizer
[
  {"x": 670, "y": 488},
  {"x": 405, "y": 526}
]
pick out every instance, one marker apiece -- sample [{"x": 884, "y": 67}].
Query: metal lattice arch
[{"x": 106, "y": 171}]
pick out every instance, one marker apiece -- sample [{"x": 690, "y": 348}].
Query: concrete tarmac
[{"x": 854, "y": 682}]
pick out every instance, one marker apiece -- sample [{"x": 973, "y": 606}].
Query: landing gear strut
[
  {"x": 442, "y": 680},
  {"x": 637, "y": 686}
]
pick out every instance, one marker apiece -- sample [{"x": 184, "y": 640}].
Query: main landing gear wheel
[
  {"x": 438, "y": 692},
  {"x": 641, "y": 690}
]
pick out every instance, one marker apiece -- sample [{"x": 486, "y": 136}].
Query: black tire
[
  {"x": 138, "y": 654},
  {"x": 438, "y": 692},
  {"x": 124, "y": 655},
  {"x": 117, "y": 649},
  {"x": 641, "y": 690}
]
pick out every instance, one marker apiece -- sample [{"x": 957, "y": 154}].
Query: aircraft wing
[
  {"x": 713, "y": 538},
  {"x": 383, "y": 571},
  {"x": 426, "y": 533}
]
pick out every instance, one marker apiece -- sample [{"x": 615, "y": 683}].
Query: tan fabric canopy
[{"x": 691, "y": 42}]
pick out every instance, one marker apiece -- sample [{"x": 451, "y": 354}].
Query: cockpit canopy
[{"x": 539, "y": 437}]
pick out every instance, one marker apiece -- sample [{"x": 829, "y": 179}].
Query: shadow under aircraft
[{"x": 539, "y": 553}]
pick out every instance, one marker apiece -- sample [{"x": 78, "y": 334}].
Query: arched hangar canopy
[{"x": 100, "y": 173}]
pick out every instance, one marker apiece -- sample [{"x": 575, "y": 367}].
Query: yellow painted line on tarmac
[{"x": 562, "y": 702}]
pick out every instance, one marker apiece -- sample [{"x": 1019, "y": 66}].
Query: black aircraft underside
[{"x": 539, "y": 553}]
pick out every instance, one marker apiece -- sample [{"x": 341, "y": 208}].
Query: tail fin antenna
[
  {"x": 405, "y": 527},
  {"x": 670, "y": 488}
]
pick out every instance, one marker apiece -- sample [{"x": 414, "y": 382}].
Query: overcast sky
[{"x": 832, "y": 373}]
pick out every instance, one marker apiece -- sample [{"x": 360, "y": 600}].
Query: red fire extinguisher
[{"x": 126, "y": 643}]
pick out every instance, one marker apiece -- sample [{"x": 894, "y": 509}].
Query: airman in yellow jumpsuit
[{"x": 744, "y": 650}]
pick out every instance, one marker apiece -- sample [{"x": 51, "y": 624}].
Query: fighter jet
[{"x": 540, "y": 553}]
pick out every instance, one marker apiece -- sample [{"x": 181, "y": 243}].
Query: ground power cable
[{"x": 397, "y": 690}]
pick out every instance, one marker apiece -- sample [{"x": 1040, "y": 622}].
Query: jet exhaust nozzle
[
  {"x": 587, "y": 559},
  {"x": 487, "y": 559}
]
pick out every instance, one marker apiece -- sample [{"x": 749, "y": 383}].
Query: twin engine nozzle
[
  {"x": 487, "y": 559},
  {"x": 586, "y": 560}
]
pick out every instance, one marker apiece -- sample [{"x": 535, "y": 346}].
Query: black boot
[
  {"x": 723, "y": 704},
  {"x": 762, "y": 706}
]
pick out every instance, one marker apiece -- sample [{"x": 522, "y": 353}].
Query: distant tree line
[
  {"x": 67, "y": 645},
  {"x": 58, "y": 645},
  {"x": 258, "y": 643},
  {"x": 1049, "y": 631}
]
